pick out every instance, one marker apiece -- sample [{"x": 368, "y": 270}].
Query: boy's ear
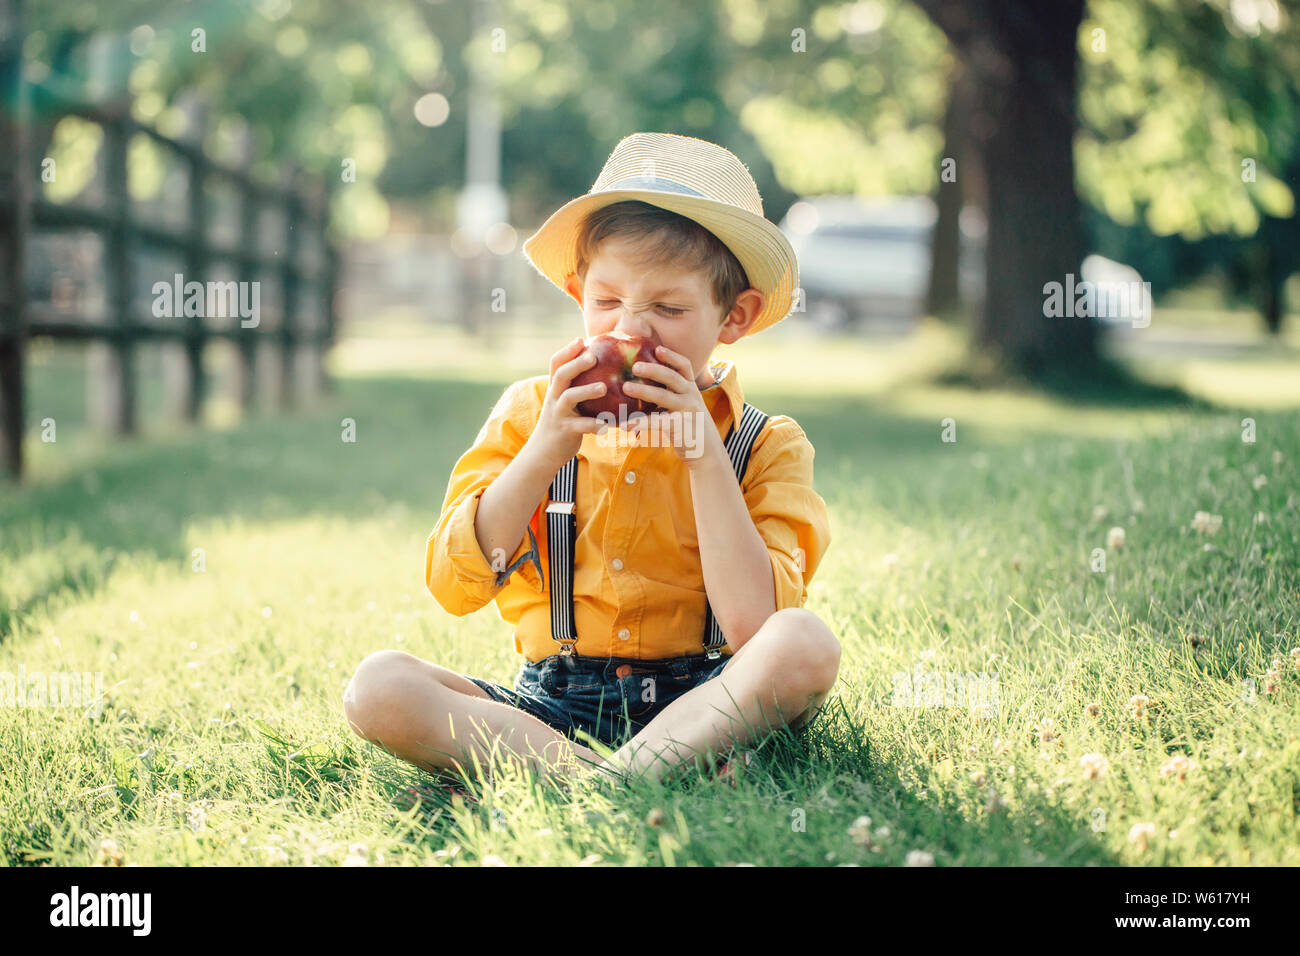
[
  {"x": 573, "y": 286},
  {"x": 742, "y": 315}
]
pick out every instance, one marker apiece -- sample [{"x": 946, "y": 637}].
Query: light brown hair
[{"x": 665, "y": 238}]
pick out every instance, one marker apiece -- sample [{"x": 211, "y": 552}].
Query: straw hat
[{"x": 696, "y": 179}]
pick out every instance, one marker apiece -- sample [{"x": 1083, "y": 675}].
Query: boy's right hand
[{"x": 560, "y": 427}]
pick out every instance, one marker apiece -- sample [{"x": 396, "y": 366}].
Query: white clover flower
[
  {"x": 1140, "y": 833},
  {"x": 1115, "y": 538},
  {"x": 1260, "y": 481},
  {"x": 1205, "y": 523},
  {"x": 919, "y": 858},
  {"x": 1178, "y": 766},
  {"x": 1048, "y": 731},
  {"x": 860, "y": 831},
  {"x": 1095, "y": 766},
  {"x": 109, "y": 854}
]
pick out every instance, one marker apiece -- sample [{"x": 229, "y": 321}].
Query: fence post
[
  {"x": 196, "y": 254},
  {"x": 120, "y": 265},
  {"x": 329, "y": 278},
  {"x": 13, "y": 226},
  {"x": 250, "y": 229},
  {"x": 289, "y": 284}
]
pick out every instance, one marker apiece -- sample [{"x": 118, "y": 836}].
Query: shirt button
[
  {"x": 618, "y": 564},
  {"x": 630, "y": 477},
  {"x": 624, "y": 634}
]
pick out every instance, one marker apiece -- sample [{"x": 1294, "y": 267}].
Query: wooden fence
[{"x": 124, "y": 234}]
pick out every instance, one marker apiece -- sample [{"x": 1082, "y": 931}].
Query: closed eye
[{"x": 664, "y": 309}]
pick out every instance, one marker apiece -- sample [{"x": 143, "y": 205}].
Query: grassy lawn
[{"x": 225, "y": 583}]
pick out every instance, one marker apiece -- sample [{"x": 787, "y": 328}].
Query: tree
[
  {"x": 310, "y": 82},
  {"x": 576, "y": 79},
  {"x": 1190, "y": 134},
  {"x": 1023, "y": 71}
]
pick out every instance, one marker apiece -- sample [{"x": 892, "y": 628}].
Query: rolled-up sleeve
[
  {"x": 456, "y": 571},
  {"x": 790, "y": 516}
]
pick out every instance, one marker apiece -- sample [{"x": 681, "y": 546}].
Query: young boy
[{"x": 676, "y": 560}]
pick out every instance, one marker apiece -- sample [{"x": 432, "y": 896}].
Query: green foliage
[
  {"x": 317, "y": 82},
  {"x": 1180, "y": 94},
  {"x": 1173, "y": 103}
]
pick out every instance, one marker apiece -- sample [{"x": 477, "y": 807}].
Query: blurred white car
[{"x": 868, "y": 260}]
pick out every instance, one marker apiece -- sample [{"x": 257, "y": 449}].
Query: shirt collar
[{"x": 724, "y": 398}]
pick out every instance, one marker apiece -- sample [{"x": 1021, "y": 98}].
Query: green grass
[{"x": 222, "y": 740}]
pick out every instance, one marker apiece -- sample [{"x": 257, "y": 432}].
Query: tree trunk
[
  {"x": 1281, "y": 247},
  {"x": 1273, "y": 306},
  {"x": 943, "y": 296},
  {"x": 1274, "y": 269},
  {"x": 1023, "y": 66},
  {"x": 14, "y": 224}
]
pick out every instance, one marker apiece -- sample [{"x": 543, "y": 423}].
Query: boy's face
[{"x": 670, "y": 305}]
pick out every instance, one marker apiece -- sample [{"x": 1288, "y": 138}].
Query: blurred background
[{"x": 937, "y": 165}]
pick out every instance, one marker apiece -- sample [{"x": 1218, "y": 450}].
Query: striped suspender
[
  {"x": 561, "y": 530},
  {"x": 561, "y": 535},
  {"x": 739, "y": 443}
]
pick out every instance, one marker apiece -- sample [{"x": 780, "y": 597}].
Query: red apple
[{"x": 616, "y": 353}]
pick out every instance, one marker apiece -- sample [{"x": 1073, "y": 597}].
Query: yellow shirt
[{"x": 633, "y": 505}]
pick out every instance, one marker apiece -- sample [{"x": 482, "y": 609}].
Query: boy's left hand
[{"x": 678, "y": 395}]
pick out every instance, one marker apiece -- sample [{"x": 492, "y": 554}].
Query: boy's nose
[{"x": 633, "y": 324}]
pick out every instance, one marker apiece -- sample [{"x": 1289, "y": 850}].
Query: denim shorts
[{"x": 610, "y": 698}]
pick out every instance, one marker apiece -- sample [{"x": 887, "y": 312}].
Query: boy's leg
[
  {"x": 780, "y": 676},
  {"x": 438, "y": 719}
]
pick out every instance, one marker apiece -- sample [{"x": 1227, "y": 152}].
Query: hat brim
[{"x": 761, "y": 248}]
